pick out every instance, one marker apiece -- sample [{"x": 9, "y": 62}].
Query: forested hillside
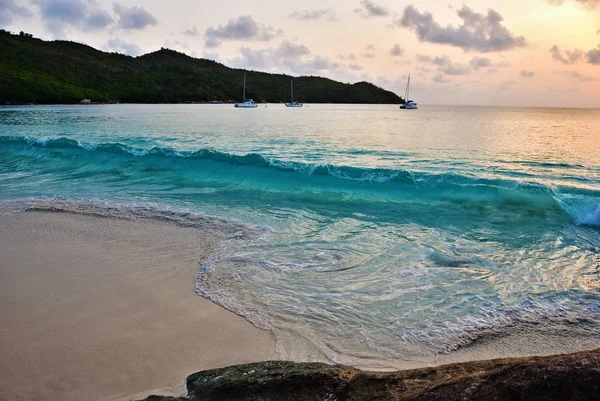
[{"x": 37, "y": 71}]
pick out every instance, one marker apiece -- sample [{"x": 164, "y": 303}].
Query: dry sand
[{"x": 101, "y": 309}]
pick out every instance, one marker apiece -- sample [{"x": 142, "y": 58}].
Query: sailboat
[
  {"x": 409, "y": 105},
  {"x": 292, "y": 103},
  {"x": 247, "y": 103}
]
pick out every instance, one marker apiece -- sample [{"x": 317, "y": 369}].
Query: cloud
[
  {"x": 80, "y": 14},
  {"x": 369, "y": 9},
  {"x": 440, "y": 79},
  {"x": 350, "y": 57},
  {"x": 326, "y": 14},
  {"x": 598, "y": 32},
  {"x": 289, "y": 57},
  {"x": 256, "y": 59},
  {"x": 289, "y": 49},
  {"x": 369, "y": 55},
  {"x": 455, "y": 69},
  {"x": 396, "y": 51},
  {"x": 319, "y": 63},
  {"x": 527, "y": 74},
  {"x": 243, "y": 28},
  {"x": 287, "y": 53},
  {"x": 191, "y": 31},
  {"x": 570, "y": 57},
  {"x": 98, "y": 20},
  {"x": 438, "y": 60},
  {"x": 445, "y": 65},
  {"x": 69, "y": 12},
  {"x": 577, "y": 76},
  {"x": 586, "y": 3},
  {"x": 566, "y": 57},
  {"x": 117, "y": 45},
  {"x": 481, "y": 62},
  {"x": 10, "y": 11},
  {"x": 211, "y": 43},
  {"x": 478, "y": 32},
  {"x": 593, "y": 56},
  {"x": 441, "y": 60},
  {"x": 313, "y": 66},
  {"x": 506, "y": 86},
  {"x": 133, "y": 17}
]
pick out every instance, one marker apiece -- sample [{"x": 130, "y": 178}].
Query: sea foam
[{"x": 592, "y": 219}]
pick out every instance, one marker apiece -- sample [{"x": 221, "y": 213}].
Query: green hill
[{"x": 37, "y": 71}]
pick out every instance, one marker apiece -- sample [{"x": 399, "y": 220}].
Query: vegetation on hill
[{"x": 37, "y": 71}]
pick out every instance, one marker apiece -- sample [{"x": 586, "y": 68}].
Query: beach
[
  {"x": 343, "y": 234},
  {"x": 104, "y": 308}
]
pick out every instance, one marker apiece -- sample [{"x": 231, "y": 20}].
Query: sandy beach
[{"x": 103, "y": 309}]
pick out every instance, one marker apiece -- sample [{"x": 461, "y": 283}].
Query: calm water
[{"x": 382, "y": 234}]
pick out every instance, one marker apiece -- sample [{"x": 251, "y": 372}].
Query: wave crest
[{"x": 461, "y": 190}]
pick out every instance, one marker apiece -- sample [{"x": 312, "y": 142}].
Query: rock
[
  {"x": 271, "y": 381},
  {"x": 86, "y": 101},
  {"x": 573, "y": 377},
  {"x": 563, "y": 377}
]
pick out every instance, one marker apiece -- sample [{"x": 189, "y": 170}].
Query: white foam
[
  {"x": 132, "y": 211},
  {"x": 592, "y": 219},
  {"x": 307, "y": 169},
  {"x": 135, "y": 152}
]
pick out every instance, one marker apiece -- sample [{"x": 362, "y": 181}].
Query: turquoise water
[{"x": 372, "y": 233}]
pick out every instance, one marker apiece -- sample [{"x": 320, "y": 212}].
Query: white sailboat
[
  {"x": 292, "y": 103},
  {"x": 409, "y": 105},
  {"x": 247, "y": 103}
]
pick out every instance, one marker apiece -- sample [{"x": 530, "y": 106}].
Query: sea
[{"x": 357, "y": 234}]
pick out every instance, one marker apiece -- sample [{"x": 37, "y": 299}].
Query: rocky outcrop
[{"x": 552, "y": 378}]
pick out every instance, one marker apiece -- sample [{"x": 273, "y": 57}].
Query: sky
[{"x": 513, "y": 52}]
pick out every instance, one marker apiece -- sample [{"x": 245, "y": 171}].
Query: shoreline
[
  {"x": 106, "y": 306},
  {"x": 105, "y": 309}
]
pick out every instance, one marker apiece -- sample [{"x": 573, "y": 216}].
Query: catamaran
[
  {"x": 247, "y": 103},
  {"x": 409, "y": 105},
  {"x": 292, "y": 103}
]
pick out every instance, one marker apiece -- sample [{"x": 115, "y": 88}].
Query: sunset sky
[{"x": 514, "y": 52}]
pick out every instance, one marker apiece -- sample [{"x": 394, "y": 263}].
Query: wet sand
[
  {"x": 102, "y": 309},
  {"x": 97, "y": 308}
]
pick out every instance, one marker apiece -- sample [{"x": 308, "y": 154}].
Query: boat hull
[
  {"x": 410, "y": 105},
  {"x": 294, "y": 105}
]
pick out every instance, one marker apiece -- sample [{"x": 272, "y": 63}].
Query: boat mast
[
  {"x": 244, "y": 92},
  {"x": 407, "y": 91},
  {"x": 292, "y": 86}
]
